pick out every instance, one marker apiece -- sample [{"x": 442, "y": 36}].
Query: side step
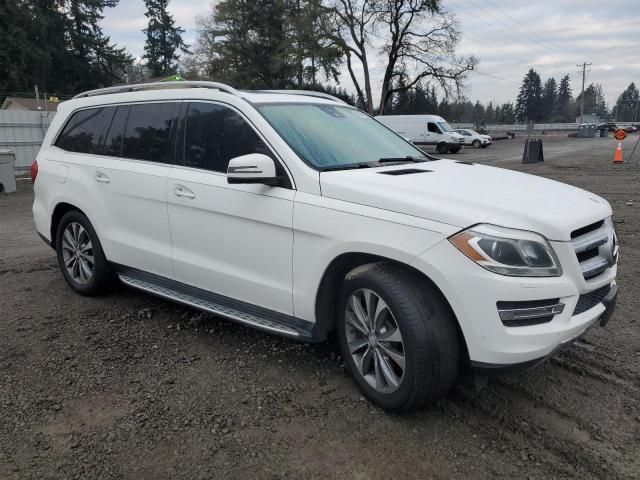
[{"x": 240, "y": 312}]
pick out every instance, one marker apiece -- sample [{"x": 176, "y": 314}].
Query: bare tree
[{"x": 417, "y": 39}]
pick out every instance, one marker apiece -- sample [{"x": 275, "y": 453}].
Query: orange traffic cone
[{"x": 617, "y": 158}]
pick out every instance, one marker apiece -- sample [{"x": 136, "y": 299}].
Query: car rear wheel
[
  {"x": 80, "y": 256},
  {"x": 476, "y": 143},
  {"x": 397, "y": 336}
]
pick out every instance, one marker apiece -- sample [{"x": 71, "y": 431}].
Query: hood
[{"x": 464, "y": 194}]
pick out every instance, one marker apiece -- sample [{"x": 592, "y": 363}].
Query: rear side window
[
  {"x": 113, "y": 140},
  {"x": 147, "y": 134},
  {"x": 215, "y": 134},
  {"x": 85, "y": 130}
]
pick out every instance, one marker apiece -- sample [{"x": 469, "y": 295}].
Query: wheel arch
[
  {"x": 58, "y": 212},
  {"x": 328, "y": 294}
]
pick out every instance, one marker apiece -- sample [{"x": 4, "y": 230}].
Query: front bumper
[
  {"x": 493, "y": 369},
  {"x": 473, "y": 294}
]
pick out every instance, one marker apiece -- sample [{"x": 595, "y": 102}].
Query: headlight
[{"x": 507, "y": 251}]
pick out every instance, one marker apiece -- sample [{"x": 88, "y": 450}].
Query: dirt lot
[{"x": 129, "y": 386}]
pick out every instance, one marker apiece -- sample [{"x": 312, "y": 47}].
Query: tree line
[{"x": 60, "y": 46}]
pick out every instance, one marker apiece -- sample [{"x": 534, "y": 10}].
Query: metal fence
[
  {"x": 520, "y": 127},
  {"x": 22, "y": 133}
]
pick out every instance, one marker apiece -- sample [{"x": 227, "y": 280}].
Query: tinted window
[
  {"x": 85, "y": 130},
  {"x": 215, "y": 134},
  {"x": 148, "y": 131},
  {"x": 433, "y": 128},
  {"x": 113, "y": 140}
]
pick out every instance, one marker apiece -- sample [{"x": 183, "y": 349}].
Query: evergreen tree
[
  {"x": 507, "y": 114},
  {"x": 266, "y": 43},
  {"x": 564, "y": 101},
  {"x": 626, "y": 107},
  {"x": 594, "y": 102},
  {"x": 529, "y": 99},
  {"x": 164, "y": 39},
  {"x": 478, "y": 114},
  {"x": 549, "y": 99},
  {"x": 97, "y": 62},
  {"x": 490, "y": 114},
  {"x": 57, "y": 45}
]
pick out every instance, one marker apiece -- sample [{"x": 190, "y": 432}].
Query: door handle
[
  {"x": 101, "y": 178},
  {"x": 180, "y": 191}
]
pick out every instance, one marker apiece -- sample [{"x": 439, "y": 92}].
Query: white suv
[{"x": 299, "y": 215}]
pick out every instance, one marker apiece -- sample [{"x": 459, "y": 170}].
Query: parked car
[
  {"x": 631, "y": 129},
  {"x": 609, "y": 126},
  {"x": 425, "y": 130},
  {"x": 473, "y": 138},
  {"x": 299, "y": 215}
]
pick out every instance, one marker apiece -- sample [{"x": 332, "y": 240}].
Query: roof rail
[
  {"x": 159, "y": 86},
  {"x": 308, "y": 93}
]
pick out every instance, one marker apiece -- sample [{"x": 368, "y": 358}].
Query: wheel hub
[{"x": 373, "y": 341}]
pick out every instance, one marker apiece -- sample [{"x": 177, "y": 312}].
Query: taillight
[{"x": 34, "y": 171}]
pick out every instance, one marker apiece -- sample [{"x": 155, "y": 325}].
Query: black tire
[
  {"x": 484, "y": 146},
  {"x": 430, "y": 337},
  {"x": 475, "y": 143},
  {"x": 442, "y": 148},
  {"x": 454, "y": 148},
  {"x": 102, "y": 277}
]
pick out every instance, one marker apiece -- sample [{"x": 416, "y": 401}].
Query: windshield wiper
[
  {"x": 346, "y": 166},
  {"x": 408, "y": 158}
]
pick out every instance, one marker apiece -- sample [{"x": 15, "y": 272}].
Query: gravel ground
[{"x": 130, "y": 386}]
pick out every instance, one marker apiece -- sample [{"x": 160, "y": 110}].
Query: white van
[{"x": 425, "y": 130}]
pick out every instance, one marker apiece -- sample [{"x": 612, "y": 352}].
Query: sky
[{"x": 508, "y": 36}]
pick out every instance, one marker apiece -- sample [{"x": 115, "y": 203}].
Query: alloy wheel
[
  {"x": 374, "y": 340},
  {"x": 77, "y": 253}
]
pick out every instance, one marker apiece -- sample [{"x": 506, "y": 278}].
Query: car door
[
  {"x": 130, "y": 179},
  {"x": 434, "y": 135},
  {"x": 232, "y": 240}
]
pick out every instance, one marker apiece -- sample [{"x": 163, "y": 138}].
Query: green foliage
[
  {"x": 265, "y": 44},
  {"x": 594, "y": 101},
  {"x": 626, "y": 107},
  {"x": 564, "y": 101},
  {"x": 164, "y": 39},
  {"x": 529, "y": 102},
  {"x": 58, "y": 45},
  {"x": 549, "y": 99}
]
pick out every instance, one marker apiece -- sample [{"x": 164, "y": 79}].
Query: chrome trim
[
  {"x": 512, "y": 314},
  {"x": 208, "y": 306}
]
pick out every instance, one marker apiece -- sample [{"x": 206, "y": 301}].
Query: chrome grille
[{"x": 596, "y": 248}]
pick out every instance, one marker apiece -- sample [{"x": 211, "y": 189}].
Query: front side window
[
  {"x": 84, "y": 131},
  {"x": 433, "y": 128},
  {"x": 328, "y": 136},
  {"x": 147, "y": 135},
  {"x": 214, "y": 134}
]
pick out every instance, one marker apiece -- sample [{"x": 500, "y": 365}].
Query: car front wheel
[{"x": 397, "y": 336}]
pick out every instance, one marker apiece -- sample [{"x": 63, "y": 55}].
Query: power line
[
  {"x": 441, "y": 59},
  {"x": 534, "y": 34},
  {"x": 518, "y": 40}
]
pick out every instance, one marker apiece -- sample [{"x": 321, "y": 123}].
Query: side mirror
[{"x": 252, "y": 168}]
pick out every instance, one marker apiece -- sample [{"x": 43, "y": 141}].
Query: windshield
[
  {"x": 329, "y": 136},
  {"x": 444, "y": 126}
]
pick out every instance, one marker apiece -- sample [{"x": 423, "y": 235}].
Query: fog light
[{"x": 520, "y": 314}]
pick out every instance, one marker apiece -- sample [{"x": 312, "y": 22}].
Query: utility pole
[{"x": 584, "y": 70}]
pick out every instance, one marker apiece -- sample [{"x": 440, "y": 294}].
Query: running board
[{"x": 240, "y": 312}]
